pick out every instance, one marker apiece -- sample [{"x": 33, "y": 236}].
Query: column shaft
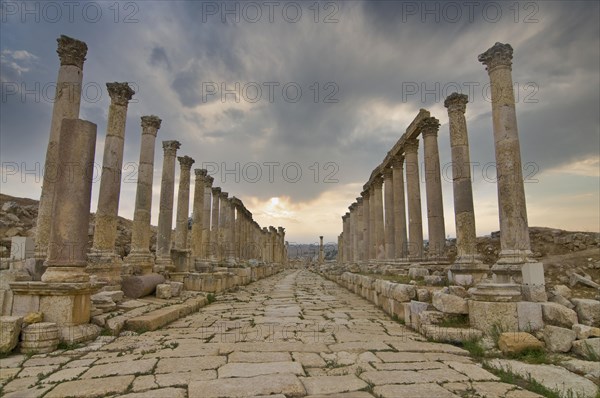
[
  {"x": 66, "y": 106},
  {"x": 390, "y": 249},
  {"x": 198, "y": 213},
  {"x": 183, "y": 203},
  {"x": 366, "y": 226},
  {"x": 379, "y": 228},
  {"x": 413, "y": 188},
  {"x": 400, "y": 239}
]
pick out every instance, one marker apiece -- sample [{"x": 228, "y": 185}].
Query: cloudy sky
[{"x": 292, "y": 104}]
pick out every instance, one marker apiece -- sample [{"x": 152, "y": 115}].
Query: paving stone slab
[
  {"x": 120, "y": 368},
  {"x": 159, "y": 393},
  {"x": 91, "y": 388},
  {"x": 332, "y": 384},
  {"x": 413, "y": 391},
  {"x": 257, "y": 369},
  {"x": 190, "y": 364},
  {"x": 286, "y": 384},
  {"x": 259, "y": 357}
]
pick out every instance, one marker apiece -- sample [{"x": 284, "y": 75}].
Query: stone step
[{"x": 160, "y": 317}]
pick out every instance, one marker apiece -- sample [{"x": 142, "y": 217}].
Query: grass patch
[
  {"x": 535, "y": 356},
  {"x": 211, "y": 298},
  {"x": 529, "y": 384},
  {"x": 68, "y": 346},
  {"x": 455, "y": 321},
  {"x": 475, "y": 348},
  {"x": 397, "y": 319}
]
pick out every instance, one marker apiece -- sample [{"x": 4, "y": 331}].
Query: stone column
[
  {"x": 413, "y": 188},
  {"x": 400, "y": 239},
  {"x": 104, "y": 262},
  {"x": 282, "y": 251},
  {"x": 214, "y": 234},
  {"x": 372, "y": 222},
  {"x": 206, "y": 235},
  {"x": 467, "y": 268},
  {"x": 379, "y": 229},
  {"x": 140, "y": 257},
  {"x": 366, "y": 226},
  {"x": 359, "y": 230},
  {"x": 433, "y": 187},
  {"x": 354, "y": 231},
  {"x": 340, "y": 252},
  {"x": 390, "y": 250},
  {"x": 233, "y": 254},
  {"x": 346, "y": 221},
  {"x": 71, "y": 209},
  {"x": 198, "y": 214},
  {"x": 223, "y": 225},
  {"x": 515, "y": 248},
  {"x": 72, "y": 54},
  {"x": 183, "y": 203},
  {"x": 321, "y": 253},
  {"x": 165, "y": 215}
]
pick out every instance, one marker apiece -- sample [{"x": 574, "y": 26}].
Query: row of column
[
  {"x": 376, "y": 225},
  {"x": 371, "y": 234},
  {"x": 222, "y": 228}
]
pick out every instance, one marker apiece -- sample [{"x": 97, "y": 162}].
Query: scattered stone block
[
  {"x": 561, "y": 290},
  {"x": 587, "y": 348},
  {"x": 450, "y": 303},
  {"x": 529, "y": 316},
  {"x": 588, "y": 311},
  {"x": 40, "y": 338},
  {"x": 403, "y": 293},
  {"x": 163, "y": 291},
  {"x": 558, "y": 339},
  {"x": 10, "y": 328},
  {"x": 136, "y": 286},
  {"x": 33, "y": 317},
  {"x": 176, "y": 288},
  {"x": 423, "y": 295},
  {"x": 457, "y": 291},
  {"x": 558, "y": 315},
  {"x": 557, "y": 298},
  {"x": 575, "y": 279},
  {"x": 585, "y": 331},
  {"x": 516, "y": 342},
  {"x": 434, "y": 280},
  {"x": 417, "y": 272}
]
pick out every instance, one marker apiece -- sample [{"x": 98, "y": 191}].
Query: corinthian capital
[
  {"x": 151, "y": 124},
  {"x": 429, "y": 126},
  {"x": 411, "y": 145},
  {"x": 186, "y": 162},
  {"x": 498, "y": 55},
  {"x": 120, "y": 93},
  {"x": 171, "y": 147},
  {"x": 456, "y": 102},
  {"x": 71, "y": 51}
]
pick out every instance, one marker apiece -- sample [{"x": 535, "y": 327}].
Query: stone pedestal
[{"x": 140, "y": 259}]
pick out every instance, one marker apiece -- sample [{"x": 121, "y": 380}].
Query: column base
[
  {"x": 66, "y": 304},
  {"x": 181, "y": 259},
  {"x": 139, "y": 263},
  {"x": 497, "y": 292},
  {"x": 58, "y": 274},
  {"x": 164, "y": 264},
  {"x": 105, "y": 267},
  {"x": 467, "y": 271}
]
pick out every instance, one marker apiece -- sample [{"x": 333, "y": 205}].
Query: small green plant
[
  {"x": 106, "y": 332},
  {"x": 534, "y": 356},
  {"x": 68, "y": 346},
  {"x": 397, "y": 319},
  {"x": 475, "y": 348},
  {"x": 210, "y": 297},
  {"x": 509, "y": 377}
]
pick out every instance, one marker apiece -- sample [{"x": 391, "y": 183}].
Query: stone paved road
[{"x": 291, "y": 335}]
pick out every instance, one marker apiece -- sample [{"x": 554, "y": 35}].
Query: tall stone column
[
  {"x": 282, "y": 251},
  {"x": 379, "y": 229},
  {"x": 183, "y": 203},
  {"x": 214, "y": 233},
  {"x": 71, "y": 208},
  {"x": 321, "y": 253},
  {"x": 71, "y": 53},
  {"x": 515, "y": 248},
  {"x": 467, "y": 268},
  {"x": 366, "y": 226},
  {"x": 400, "y": 239},
  {"x": 372, "y": 224},
  {"x": 359, "y": 230},
  {"x": 413, "y": 188},
  {"x": 233, "y": 230},
  {"x": 223, "y": 225},
  {"x": 206, "y": 235},
  {"x": 353, "y": 232},
  {"x": 390, "y": 249},
  {"x": 198, "y": 214},
  {"x": 140, "y": 258},
  {"x": 165, "y": 215},
  {"x": 104, "y": 263},
  {"x": 340, "y": 252},
  {"x": 433, "y": 187},
  {"x": 346, "y": 221}
]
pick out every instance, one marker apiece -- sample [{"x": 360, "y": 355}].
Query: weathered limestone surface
[
  {"x": 294, "y": 334},
  {"x": 140, "y": 257},
  {"x": 67, "y": 101}
]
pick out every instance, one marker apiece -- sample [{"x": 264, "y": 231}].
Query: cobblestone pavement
[{"x": 294, "y": 334}]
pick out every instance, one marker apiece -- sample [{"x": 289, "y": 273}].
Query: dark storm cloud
[{"x": 159, "y": 57}]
